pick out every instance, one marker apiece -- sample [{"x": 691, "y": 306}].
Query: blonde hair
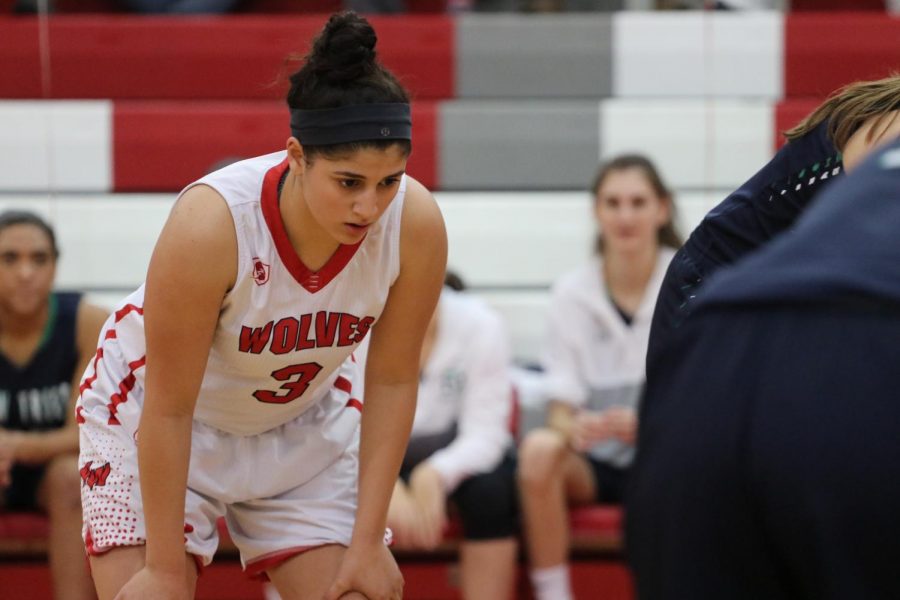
[{"x": 849, "y": 107}]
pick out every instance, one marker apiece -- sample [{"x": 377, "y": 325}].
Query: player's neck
[
  {"x": 310, "y": 241},
  {"x": 20, "y": 333},
  {"x": 630, "y": 271}
]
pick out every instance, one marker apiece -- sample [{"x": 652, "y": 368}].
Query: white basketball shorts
[{"x": 281, "y": 492}]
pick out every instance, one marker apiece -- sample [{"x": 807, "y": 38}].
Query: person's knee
[
  {"x": 540, "y": 457},
  {"x": 62, "y": 485}
]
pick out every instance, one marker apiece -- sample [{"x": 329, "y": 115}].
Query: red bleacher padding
[
  {"x": 599, "y": 526},
  {"x": 163, "y": 145},
  {"x": 790, "y": 112},
  {"x": 601, "y": 520},
  {"x": 26, "y": 527},
  {"x": 826, "y": 51},
  {"x": 822, "y": 5},
  {"x": 213, "y": 57}
]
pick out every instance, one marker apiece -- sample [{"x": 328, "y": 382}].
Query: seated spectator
[
  {"x": 594, "y": 362},
  {"x": 46, "y": 340},
  {"x": 460, "y": 447}
]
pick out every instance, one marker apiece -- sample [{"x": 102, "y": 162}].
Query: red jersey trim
[
  {"x": 312, "y": 281},
  {"x": 257, "y": 567},
  {"x": 93, "y": 550}
]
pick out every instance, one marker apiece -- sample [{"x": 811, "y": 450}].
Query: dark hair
[
  {"x": 9, "y": 218},
  {"x": 341, "y": 70},
  {"x": 668, "y": 234},
  {"x": 453, "y": 281},
  {"x": 849, "y": 107}
]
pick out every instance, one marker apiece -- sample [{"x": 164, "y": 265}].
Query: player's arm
[
  {"x": 565, "y": 386},
  {"x": 561, "y": 419},
  {"x": 392, "y": 375},
  {"x": 41, "y": 447},
  {"x": 193, "y": 265}
]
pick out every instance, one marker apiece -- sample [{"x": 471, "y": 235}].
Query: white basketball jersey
[{"x": 284, "y": 330}]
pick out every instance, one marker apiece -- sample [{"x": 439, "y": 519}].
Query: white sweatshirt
[
  {"x": 592, "y": 358},
  {"x": 467, "y": 382}
]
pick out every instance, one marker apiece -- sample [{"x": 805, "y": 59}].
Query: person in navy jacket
[{"x": 768, "y": 465}]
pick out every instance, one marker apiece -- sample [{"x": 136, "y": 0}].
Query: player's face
[
  {"x": 629, "y": 212},
  {"x": 349, "y": 194},
  {"x": 874, "y": 133},
  {"x": 27, "y": 268}
]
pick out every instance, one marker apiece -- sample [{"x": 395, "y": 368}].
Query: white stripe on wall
[
  {"x": 698, "y": 54},
  {"x": 50, "y": 146},
  {"x": 696, "y": 144}
]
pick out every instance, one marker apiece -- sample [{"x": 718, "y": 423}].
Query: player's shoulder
[
  {"x": 422, "y": 226},
  {"x": 468, "y": 307},
  {"x": 472, "y": 321},
  {"x": 576, "y": 280},
  {"x": 420, "y": 209},
  {"x": 89, "y": 321}
]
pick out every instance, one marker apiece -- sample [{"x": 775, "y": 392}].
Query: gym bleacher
[{"x": 105, "y": 116}]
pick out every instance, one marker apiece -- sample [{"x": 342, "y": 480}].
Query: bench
[{"x": 596, "y": 561}]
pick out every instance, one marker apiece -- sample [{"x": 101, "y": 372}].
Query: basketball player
[
  {"x": 833, "y": 137},
  {"x": 227, "y": 385},
  {"x": 46, "y": 340},
  {"x": 768, "y": 465}
]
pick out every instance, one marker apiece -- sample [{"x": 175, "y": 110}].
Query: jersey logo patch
[
  {"x": 260, "y": 271},
  {"x": 92, "y": 477}
]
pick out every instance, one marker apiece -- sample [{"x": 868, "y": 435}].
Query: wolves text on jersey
[{"x": 323, "y": 329}]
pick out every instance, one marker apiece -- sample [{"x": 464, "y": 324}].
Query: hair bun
[{"x": 345, "y": 50}]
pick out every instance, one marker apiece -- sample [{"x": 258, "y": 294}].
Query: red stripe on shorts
[
  {"x": 128, "y": 308},
  {"x": 257, "y": 567},
  {"x": 125, "y": 386},
  {"x": 343, "y": 384},
  {"x": 354, "y": 403}
]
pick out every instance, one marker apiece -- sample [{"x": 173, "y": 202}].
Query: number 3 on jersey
[{"x": 296, "y": 377}]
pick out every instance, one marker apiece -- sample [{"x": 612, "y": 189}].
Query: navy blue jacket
[
  {"x": 767, "y": 203},
  {"x": 846, "y": 247}
]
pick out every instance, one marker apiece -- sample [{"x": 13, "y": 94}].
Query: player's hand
[
  {"x": 588, "y": 429},
  {"x": 148, "y": 584},
  {"x": 427, "y": 489},
  {"x": 369, "y": 570},
  {"x": 403, "y": 517},
  {"x": 622, "y": 423}
]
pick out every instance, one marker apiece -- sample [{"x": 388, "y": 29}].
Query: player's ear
[{"x": 295, "y": 155}]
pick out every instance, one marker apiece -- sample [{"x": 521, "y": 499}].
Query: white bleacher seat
[
  {"x": 64, "y": 145},
  {"x": 698, "y": 54},
  {"x": 696, "y": 144}
]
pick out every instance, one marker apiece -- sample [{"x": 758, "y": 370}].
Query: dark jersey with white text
[{"x": 35, "y": 396}]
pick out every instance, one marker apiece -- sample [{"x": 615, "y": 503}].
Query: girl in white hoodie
[{"x": 599, "y": 323}]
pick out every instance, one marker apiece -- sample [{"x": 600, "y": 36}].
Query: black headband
[{"x": 354, "y": 123}]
